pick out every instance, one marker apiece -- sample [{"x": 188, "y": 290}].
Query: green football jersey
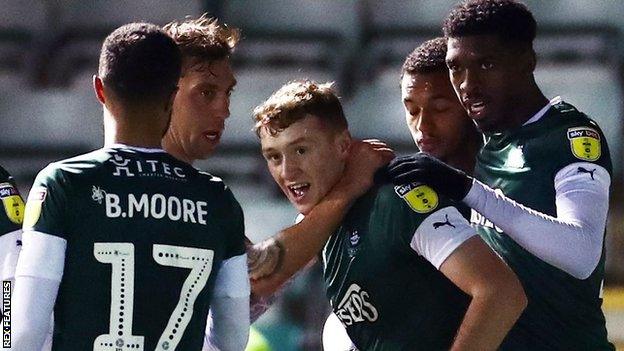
[
  {"x": 564, "y": 313},
  {"x": 387, "y": 295},
  {"x": 13, "y": 206},
  {"x": 146, "y": 235}
]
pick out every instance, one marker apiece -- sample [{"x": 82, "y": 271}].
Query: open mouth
[
  {"x": 475, "y": 107},
  {"x": 298, "y": 191},
  {"x": 213, "y": 135}
]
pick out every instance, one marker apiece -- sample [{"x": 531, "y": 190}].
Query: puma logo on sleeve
[
  {"x": 584, "y": 170},
  {"x": 437, "y": 225}
]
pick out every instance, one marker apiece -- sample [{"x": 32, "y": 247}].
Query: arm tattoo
[{"x": 264, "y": 258}]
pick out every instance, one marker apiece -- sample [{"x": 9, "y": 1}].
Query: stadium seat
[
  {"x": 376, "y": 110},
  {"x": 400, "y": 13},
  {"x": 22, "y": 26},
  {"x": 294, "y": 15},
  {"x": 254, "y": 86},
  {"x": 49, "y": 118},
  {"x": 83, "y": 26}
]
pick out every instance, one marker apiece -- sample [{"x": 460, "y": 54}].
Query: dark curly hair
[
  {"x": 426, "y": 58},
  {"x": 510, "y": 20}
]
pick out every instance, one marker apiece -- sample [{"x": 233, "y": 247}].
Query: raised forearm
[{"x": 292, "y": 248}]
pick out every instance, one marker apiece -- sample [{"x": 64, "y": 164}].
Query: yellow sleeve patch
[
  {"x": 33, "y": 206},
  {"x": 585, "y": 143},
  {"x": 13, "y": 203},
  {"x": 420, "y": 198}
]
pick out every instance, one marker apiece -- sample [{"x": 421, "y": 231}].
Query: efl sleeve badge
[
  {"x": 421, "y": 198},
  {"x": 13, "y": 203},
  {"x": 585, "y": 143},
  {"x": 33, "y": 206}
]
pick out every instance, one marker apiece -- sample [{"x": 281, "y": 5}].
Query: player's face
[
  {"x": 199, "y": 110},
  {"x": 488, "y": 77},
  {"x": 306, "y": 160},
  {"x": 434, "y": 115}
]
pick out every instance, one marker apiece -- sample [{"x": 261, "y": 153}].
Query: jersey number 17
[{"x": 121, "y": 257}]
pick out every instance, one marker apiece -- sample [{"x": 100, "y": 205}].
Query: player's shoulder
[
  {"x": 416, "y": 199},
  {"x": 74, "y": 166},
  {"x": 211, "y": 179},
  {"x": 572, "y": 136},
  {"x": 566, "y": 115},
  {"x": 11, "y": 202},
  {"x": 4, "y": 175}
]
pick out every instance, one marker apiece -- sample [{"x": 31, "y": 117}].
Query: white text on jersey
[
  {"x": 156, "y": 206},
  {"x": 131, "y": 168},
  {"x": 355, "y": 307}
]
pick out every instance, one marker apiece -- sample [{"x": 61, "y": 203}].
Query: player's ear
[
  {"x": 529, "y": 59},
  {"x": 343, "y": 142},
  {"x": 98, "y": 86}
]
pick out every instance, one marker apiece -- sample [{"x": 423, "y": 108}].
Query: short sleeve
[
  {"x": 432, "y": 226},
  {"x": 46, "y": 204},
  {"x": 440, "y": 234}
]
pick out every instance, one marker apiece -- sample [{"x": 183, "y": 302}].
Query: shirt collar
[
  {"x": 536, "y": 117},
  {"x": 135, "y": 148}
]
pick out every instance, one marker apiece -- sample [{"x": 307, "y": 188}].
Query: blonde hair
[
  {"x": 203, "y": 38},
  {"x": 295, "y": 101}
]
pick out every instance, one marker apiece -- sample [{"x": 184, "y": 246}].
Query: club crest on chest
[{"x": 353, "y": 239}]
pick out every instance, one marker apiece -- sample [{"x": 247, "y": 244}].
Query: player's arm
[
  {"x": 572, "y": 241},
  {"x": 38, "y": 276},
  {"x": 291, "y": 249},
  {"x": 447, "y": 240},
  {"x": 10, "y": 226},
  {"x": 497, "y": 296},
  {"x": 227, "y": 327}
]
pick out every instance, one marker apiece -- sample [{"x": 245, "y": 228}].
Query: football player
[
  {"x": 199, "y": 113},
  {"x": 129, "y": 246},
  {"x": 10, "y": 227},
  {"x": 405, "y": 270},
  {"x": 547, "y": 156},
  {"x": 439, "y": 126}
]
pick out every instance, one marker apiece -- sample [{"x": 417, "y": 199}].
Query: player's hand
[
  {"x": 424, "y": 168},
  {"x": 365, "y": 158},
  {"x": 263, "y": 258}
]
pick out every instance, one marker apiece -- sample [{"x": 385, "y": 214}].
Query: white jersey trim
[
  {"x": 536, "y": 117},
  {"x": 135, "y": 148},
  {"x": 42, "y": 256},
  {"x": 440, "y": 234}
]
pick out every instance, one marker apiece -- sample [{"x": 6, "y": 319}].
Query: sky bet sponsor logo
[
  {"x": 157, "y": 206},
  {"x": 6, "y": 314},
  {"x": 355, "y": 307}
]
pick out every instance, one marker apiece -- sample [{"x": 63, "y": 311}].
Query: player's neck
[
  {"x": 173, "y": 148},
  {"x": 467, "y": 158},
  {"x": 526, "y": 107},
  {"x": 120, "y": 131}
]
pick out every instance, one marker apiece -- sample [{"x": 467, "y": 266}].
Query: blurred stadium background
[{"x": 49, "y": 51}]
